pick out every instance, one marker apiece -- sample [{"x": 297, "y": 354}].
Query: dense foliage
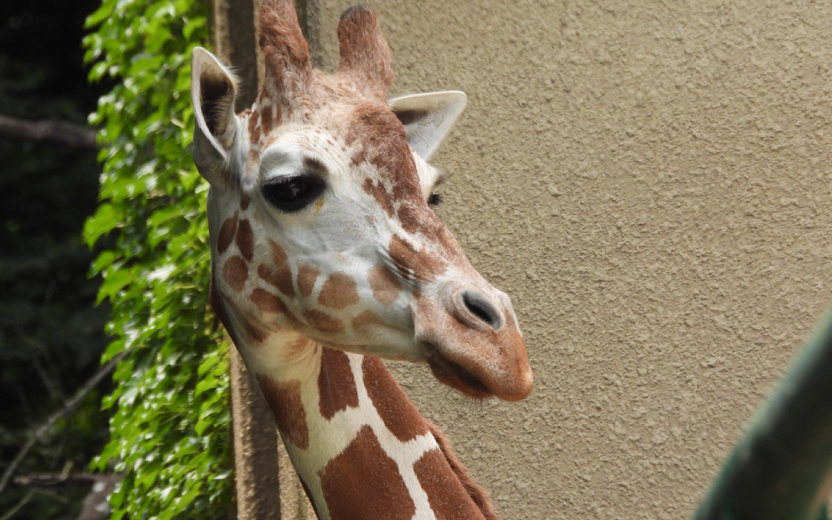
[
  {"x": 51, "y": 334},
  {"x": 170, "y": 416}
]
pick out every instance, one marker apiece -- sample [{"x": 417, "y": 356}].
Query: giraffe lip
[{"x": 455, "y": 375}]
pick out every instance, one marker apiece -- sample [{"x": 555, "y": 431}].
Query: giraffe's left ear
[
  {"x": 427, "y": 118},
  {"x": 213, "y": 92}
]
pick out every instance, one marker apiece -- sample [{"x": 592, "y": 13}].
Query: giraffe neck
[{"x": 360, "y": 447}]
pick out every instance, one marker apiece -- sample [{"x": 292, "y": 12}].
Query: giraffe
[{"x": 327, "y": 257}]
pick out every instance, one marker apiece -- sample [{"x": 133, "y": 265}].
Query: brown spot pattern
[
  {"x": 367, "y": 322},
  {"x": 323, "y": 321},
  {"x": 411, "y": 217},
  {"x": 279, "y": 255},
  {"x": 363, "y": 482},
  {"x": 282, "y": 278},
  {"x": 336, "y": 384},
  {"x": 227, "y": 230},
  {"x": 377, "y": 191},
  {"x": 477, "y": 494},
  {"x": 266, "y": 120},
  {"x": 307, "y": 275},
  {"x": 359, "y": 156},
  {"x": 253, "y": 130},
  {"x": 254, "y": 333},
  {"x": 383, "y": 144},
  {"x": 252, "y": 162},
  {"x": 339, "y": 290},
  {"x": 398, "y": 413},
  {"x": 285, "y": 403},
  {"x": 281, "y": 275},
  {"x": 245, "y": 239},
  {"x": 245, "y": 200},
  {"x": 384, "y": 283},
  {"x": 446, "y": 495},
  {"x": 235, "y": 273},
  {"x": 424, "y": 265},
  {"x": 268, "y": 302}
]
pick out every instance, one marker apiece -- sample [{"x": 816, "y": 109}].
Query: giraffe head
[{"x": 321, "y": 229}]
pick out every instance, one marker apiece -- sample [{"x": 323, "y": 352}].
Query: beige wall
[{"x": 649, "y": 181}]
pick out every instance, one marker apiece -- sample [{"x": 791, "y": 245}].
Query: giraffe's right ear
[
  {"x": 213, "y": 91},
  {"x": 427, "y": 118}
]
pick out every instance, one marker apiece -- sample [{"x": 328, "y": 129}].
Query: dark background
[{"x": 51, "y": 332}]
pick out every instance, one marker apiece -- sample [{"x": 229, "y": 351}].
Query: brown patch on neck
[
  {"x": 235, "y": 273},
  {"x": 398, "y": 413},
  {"x": 336, "y": 384},
  {"x": 446, "y": 495},
  {"x": 339, "y": 291},
  {"x": 245, "y": 240},
  {"x": 385, "y": 284},
  {"x": 323, "y": 321},
  {"x": 285, "y": 403},
  {"x": 227, "y": 231},
  {"x": 245, "y": 200},
  {"x": 425, "y": 266},
  {"x": 442, "y": 495},
  {"x": 307, "y": 276},
  {"x": 363, "y": 482}
]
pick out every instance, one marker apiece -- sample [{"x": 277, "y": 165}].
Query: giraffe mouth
[{"x": 455, "y": 375}]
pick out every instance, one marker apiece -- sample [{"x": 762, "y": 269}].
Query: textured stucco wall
[{"x": 649, "y": 181}]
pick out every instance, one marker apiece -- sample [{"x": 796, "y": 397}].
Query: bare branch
[
  {"x": 67, "y": 409},
  {"x": 17, "y": 507},
  {"x": 55, "y": 479},
  {"x": 26, "y": 498},
  {"x": 49, "y": 131}
]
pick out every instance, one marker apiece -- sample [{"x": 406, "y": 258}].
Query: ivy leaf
[
  {"x": 106, "y": 218},
  {"x": 171, "y": 390}
]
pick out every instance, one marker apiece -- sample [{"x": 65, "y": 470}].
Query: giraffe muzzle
[{"x": 473, "y": 342}]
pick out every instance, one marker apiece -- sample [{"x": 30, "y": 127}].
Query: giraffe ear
[
  {"x": 213, "y": 91},
  {"x": 427, "y": 118}
]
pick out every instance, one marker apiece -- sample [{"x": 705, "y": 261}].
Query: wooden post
[{"x": 255, "y": 435}]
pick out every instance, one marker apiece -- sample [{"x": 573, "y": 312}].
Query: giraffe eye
[{"x": 290, "y": 194}]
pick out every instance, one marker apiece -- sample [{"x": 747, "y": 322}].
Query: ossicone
[
  {"x": 365, "y": 55},
  {"x": 284, "y": 48}
]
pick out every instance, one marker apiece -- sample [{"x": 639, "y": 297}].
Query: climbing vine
[{"x": 170, "y": 422}]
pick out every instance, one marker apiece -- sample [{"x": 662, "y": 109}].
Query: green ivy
[{"x": 170, "y": 420}]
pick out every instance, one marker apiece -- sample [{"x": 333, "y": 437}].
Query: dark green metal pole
[{"x": 782, "y": 467}]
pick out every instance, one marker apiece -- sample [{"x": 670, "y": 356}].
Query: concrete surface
[{"x": 649, "y": 181}]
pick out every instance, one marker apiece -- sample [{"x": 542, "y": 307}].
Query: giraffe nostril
[{"x": 476, "y": 304}]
